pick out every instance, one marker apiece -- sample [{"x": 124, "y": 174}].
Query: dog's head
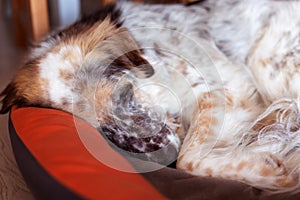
[
  {"x": 93, "y": 49},
  {"x": 77, "y": 70}
]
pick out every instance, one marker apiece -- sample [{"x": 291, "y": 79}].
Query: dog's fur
[
  {"x": 205, "y": 66},
  {"x": 78, "y": 70}
]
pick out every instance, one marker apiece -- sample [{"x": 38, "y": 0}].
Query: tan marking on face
[
  {"x": 91, "y": 38},
  {"x": 97, "y": 35},
  {"x": 68, "y": 55}
]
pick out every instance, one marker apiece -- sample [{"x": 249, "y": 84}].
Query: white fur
[
  {"x": 50, "y": 68},
  {"x": 216, "y": 83},
  {"x": 236, "y": 26}
]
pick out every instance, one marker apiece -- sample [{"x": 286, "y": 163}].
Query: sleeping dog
[{"x": 153, "y": 77}]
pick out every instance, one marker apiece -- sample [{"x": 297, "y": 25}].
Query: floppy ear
[
  {"x": 132, "y": 61},
  {"x": 141, "y": 67}
]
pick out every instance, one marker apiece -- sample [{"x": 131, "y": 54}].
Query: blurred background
[
  {"x": 21, "y": 23},
  {"x": 12, "y": 185}
]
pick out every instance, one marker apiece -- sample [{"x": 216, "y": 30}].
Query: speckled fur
[
  {"x": 264, "y": 37},
  {"x": 226, "y": 134},
  {"x": 205, "y": 82},
  {"x": 81, "y": 70}
]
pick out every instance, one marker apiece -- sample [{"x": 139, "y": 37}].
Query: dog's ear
[
  {"x": 132, "y": 61},
  {"x": 141, "y": 67}
]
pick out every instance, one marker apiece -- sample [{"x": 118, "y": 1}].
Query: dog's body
[{"x": 220, "y": 109}]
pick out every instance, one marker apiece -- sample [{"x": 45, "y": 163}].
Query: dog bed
[{"x": 57, "y": 155}]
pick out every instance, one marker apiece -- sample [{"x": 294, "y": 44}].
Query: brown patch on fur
[
  {"x": 27, "y": 88},
  {"x": 65, "y": 75},
  {"x": 90, "y": 38},
  {"x": 102, "y": 97},
  {"x": 228, "y": 167},
  {"x": 183, "y": 67},
  {"x": 229, "y": 100},
  {"x": 206, "y": 101},
  {"x": 67, "y": 55},
  {"x": 30, "y": 84},
  {"x": 286, "y": 182},
  {"x": 273, "y": 167},
  {"x": 244, "y": 104},
  {"x": 202, "y": 138},
  {"x": 270, "y": 119},
  {"x": 241, "y": 165},
  {"x": 189, "y": 166},
  {"x": 205, "y": 120},
  {"x": 208, "y": 171},
  {"x": 263, "y": 63},
  {"x": 267, "y": 171}
]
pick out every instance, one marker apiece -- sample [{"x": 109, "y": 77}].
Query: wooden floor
[{"x": 12, "y": 186}]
